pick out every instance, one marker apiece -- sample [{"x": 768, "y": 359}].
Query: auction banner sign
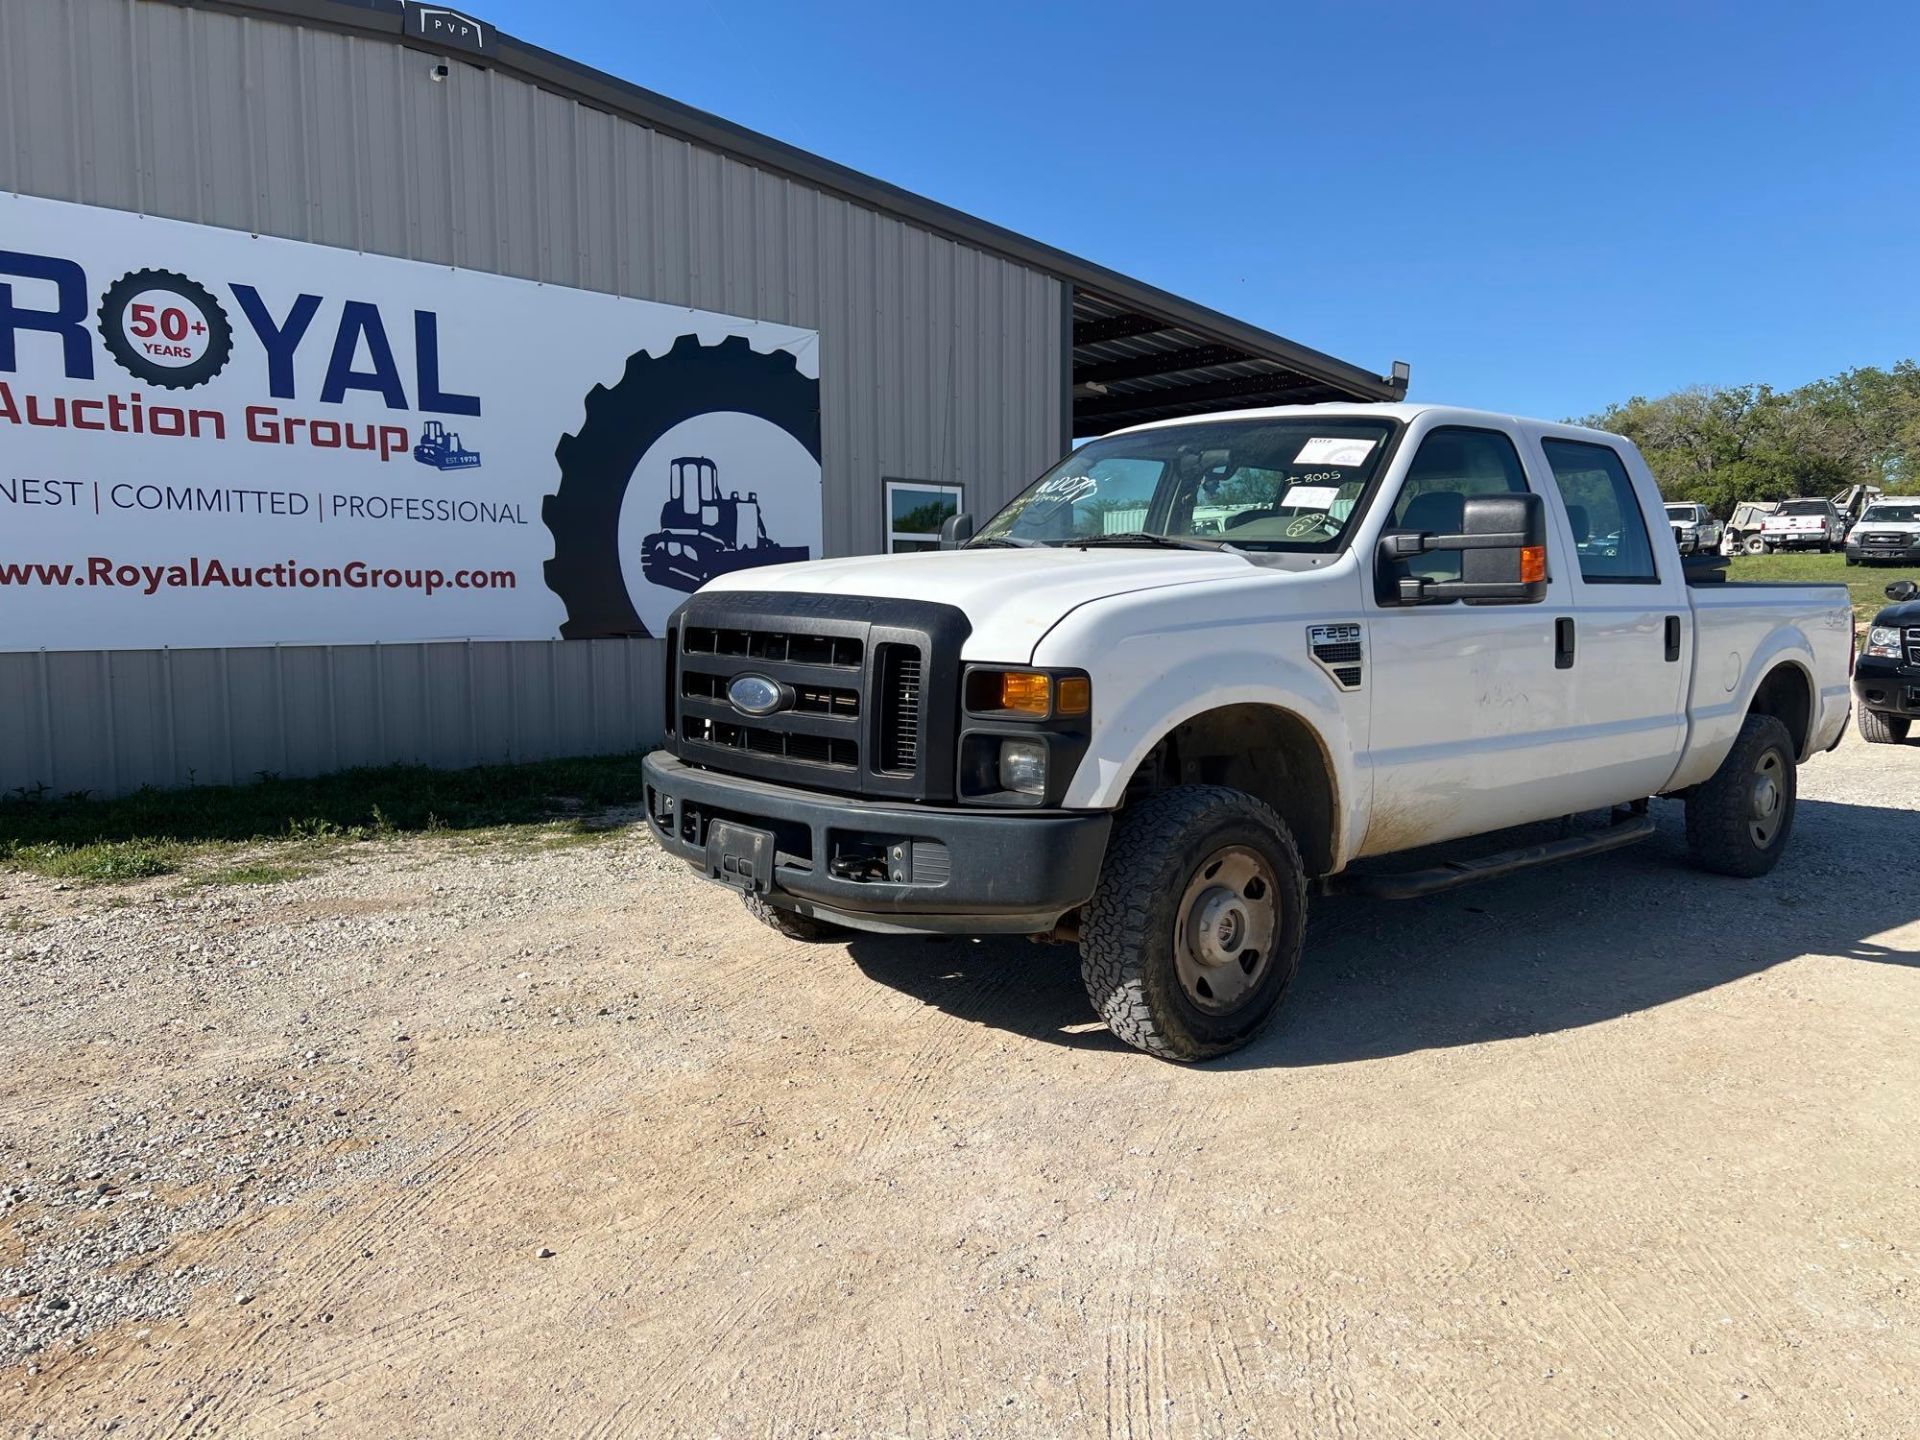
[{"x": 210, "y": 438}]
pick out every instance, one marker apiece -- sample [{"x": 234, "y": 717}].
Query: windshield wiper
[
  {"x": 1160, "y": 542},
  {"x": 1010, "y": 541}
]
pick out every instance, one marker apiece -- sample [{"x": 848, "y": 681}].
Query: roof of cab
[{"x": 1389, "y": 410}]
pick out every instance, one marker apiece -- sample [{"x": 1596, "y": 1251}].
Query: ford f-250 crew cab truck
[{"x": 1203, "y": 668}]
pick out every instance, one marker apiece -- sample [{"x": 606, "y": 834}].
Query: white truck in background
[{"x": 1316, "y": 639}]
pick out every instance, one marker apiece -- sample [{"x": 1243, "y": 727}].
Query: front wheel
[
  {"x": 792, "y": 925},
  {"x": 1738, "y": 821},
  {"x": 1195, "y": 930},
  {"x": 1754, "y": 545},
  {"x": 1879, "y": 729}
]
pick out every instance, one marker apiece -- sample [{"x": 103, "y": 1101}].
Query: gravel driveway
[{"x": 457, "y": 1139}]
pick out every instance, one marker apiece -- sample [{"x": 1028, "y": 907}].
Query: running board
[{"x": 1413, "y": 884}]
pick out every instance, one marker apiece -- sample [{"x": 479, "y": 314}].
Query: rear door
[{"x": 1632, "y": 623}]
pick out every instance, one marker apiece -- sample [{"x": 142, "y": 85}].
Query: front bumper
[
  {"x": 1910, "y": 554},
  {"x": 1890, "y": 687},
  {"x": 878, "y": 865}
]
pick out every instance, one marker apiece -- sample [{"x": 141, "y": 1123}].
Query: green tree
[{"x": 1722, "y": 445}]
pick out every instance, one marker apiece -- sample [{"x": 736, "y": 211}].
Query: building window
[{"x": 914, "y": 512}]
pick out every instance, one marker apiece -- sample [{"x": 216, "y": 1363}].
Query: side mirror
[
  {"x": 1502, "y": 546},
  {"x": 1902, "y": 590},
  {"x": 956, "y": 530}
]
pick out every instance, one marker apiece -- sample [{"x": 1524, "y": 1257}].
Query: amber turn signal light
[
  {"x": 1533, "y": 564},
  {"x": 1076, "y": 695}
]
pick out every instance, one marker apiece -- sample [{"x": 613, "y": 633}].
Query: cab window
[
  {"x": 1609, "y": 532},
  {"x": 1453, "y": 463}
]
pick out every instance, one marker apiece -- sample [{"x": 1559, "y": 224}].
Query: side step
[{"x": 1413, "y": 884}]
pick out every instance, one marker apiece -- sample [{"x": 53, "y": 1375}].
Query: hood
[
  {"x": 1904, "y": 614},
  {"x": 1890, "y": 527},
  {"x": 1012, "y": 597}
]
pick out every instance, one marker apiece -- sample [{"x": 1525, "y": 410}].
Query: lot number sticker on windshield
[
  {"x": 1312, "y": 497},
  {"x": 1329, "y": 450}
]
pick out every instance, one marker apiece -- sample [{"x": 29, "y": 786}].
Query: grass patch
[
  {"x": 156, "y": 832},
  {"x": 106, "y": 861},
  {"x": 258, "y": 873},
  {"x": 1867, "y": 584}
]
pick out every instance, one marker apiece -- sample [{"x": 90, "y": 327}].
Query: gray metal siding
[{"x": 938, "y": 361}]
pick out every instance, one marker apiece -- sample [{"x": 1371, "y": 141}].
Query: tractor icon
[
  {"x": 441, "y": 448},
  {"x": 703, "y": 534}
]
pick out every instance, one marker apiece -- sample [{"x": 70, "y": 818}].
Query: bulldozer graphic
[
  {"x": 441, "y": 448},
  {"x": 704, "y": 533}
]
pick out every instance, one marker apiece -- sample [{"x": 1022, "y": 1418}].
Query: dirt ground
[{"x": 468, "y": 1140}]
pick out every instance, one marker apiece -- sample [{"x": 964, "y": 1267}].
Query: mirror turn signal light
[{"x": 1533, "y": 564}]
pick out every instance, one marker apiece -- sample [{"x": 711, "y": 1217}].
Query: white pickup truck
[{"x": 1202, "y": 669}]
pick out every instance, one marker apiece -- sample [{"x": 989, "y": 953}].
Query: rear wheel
[
  {"x": 1738, "y": 821},
  {"x": 1878, "y": 729},
  {"x": 794, "y": 926},
  {"x": 1195, "y": 930}
]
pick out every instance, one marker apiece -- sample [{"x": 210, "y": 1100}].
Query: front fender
[{"x": 1130, "y": 718}]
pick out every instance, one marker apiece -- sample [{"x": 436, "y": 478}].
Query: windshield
[
  {"x": 1679, "y": 512},
  {"x": 1908, "y": 513},
  {"x": 1803, "y": 507},
  {"x": 1290, "y": 484}
]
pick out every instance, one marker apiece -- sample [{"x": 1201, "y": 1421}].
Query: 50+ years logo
[{"x": 165, "y": 329}]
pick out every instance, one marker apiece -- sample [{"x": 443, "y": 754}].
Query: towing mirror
[
  {"x": 1901, "y": 590},
  {"x": 955, "y": 531},
  {"x": 1502, "y": 546}
]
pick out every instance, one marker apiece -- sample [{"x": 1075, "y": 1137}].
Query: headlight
[
  {"x": 1023, "y": 766},
  {"x": 1884, "y": 641}
]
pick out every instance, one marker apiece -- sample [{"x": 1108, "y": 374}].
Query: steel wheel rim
[
  {"x": 1225, "y": 927},
  {"x": 1766, "y": 799}
]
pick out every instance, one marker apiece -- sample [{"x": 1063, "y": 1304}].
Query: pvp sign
[{"x": 216, "y": 439}]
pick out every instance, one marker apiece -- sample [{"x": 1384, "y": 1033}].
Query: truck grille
[
  {"x": 900, "y": 694},
  {"x": 1894, "y": 541},
  {"x": 839, "y": 753},
  {"x": 870, "y": 689},
  {"x": 1913, "y": 646}
]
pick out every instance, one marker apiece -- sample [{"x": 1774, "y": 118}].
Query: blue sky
[{"x": 1542, "y": 207}]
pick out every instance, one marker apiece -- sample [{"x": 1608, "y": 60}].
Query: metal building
[{"x": 953, "y": 352}]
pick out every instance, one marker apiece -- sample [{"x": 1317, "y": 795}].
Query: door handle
[
  {"x": 1673, "y": 637},
  {"x": 1563, "y": 643}
]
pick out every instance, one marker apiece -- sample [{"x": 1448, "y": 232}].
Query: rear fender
[{"x": 1714, "y": 722}]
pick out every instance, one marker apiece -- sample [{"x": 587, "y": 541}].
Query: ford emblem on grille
[{"x": 757, "y": 695}]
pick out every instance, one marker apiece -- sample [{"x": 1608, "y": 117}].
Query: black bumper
[
  {"x": 876, "y": 865},
  {"x": 1883, "y": 554},
  {"x": 1887, "y": 686}
]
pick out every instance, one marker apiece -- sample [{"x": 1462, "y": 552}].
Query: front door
[{"x": 1469, "y": 700}]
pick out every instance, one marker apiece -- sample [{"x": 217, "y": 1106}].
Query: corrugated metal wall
[{"x": 938, "y": 362}]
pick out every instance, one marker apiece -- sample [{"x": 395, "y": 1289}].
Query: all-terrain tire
[
  {"x": 794, "y": 926},
  {"x": 1720, "y": 820},
  {"x": 1127, "y": 929},
  {"x": 1878, "y": 729}
]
